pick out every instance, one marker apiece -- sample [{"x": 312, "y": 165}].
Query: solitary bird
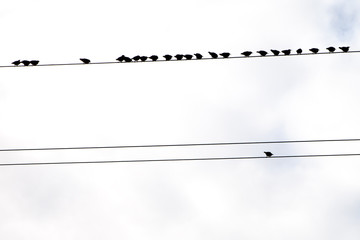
[
  {"x": 314, "y": 50},
  {"x": 154, "y": 57},
  {"x": 167, "y": 57},
  {"x": 85, "y": 60},
  {"x": 275, "y": 52},
  {"x": 299, "y": 51},
  {"x": 225, "y": 54},
  {"x": 286, "y": 52},
  {"x": 136, "y": 58},
  {"x": 34, "y": 62},
  {"x": 25, "y": 62},
  {"x": 345, "y": 49},
  {"x": 143, "y": 58},
  {"x": 262, "y": 52},
  {"x": 213, "y": 55},
  {"x": 179, "y": 56},
  {"x": 198, "y": 56},
  {"x": 268, "y": 154},
  {"x": 16, "y": 63},
  {"x": 188, "y": 56},
  {"x": 331, "y": 49}
]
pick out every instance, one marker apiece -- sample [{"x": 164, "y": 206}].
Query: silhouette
[
  {"x": 167, "y": 57},
  {"x": 188, "y": 56},
  {"x": 34, "y": 62},
  {"x": 268, "y": 154},
  {"x": 16, "y": 63},
  {"x": 262, "y": 52},
  {"x": 314, "y": 50},
  {"x": 225, "y": 54},
  {"x": 121, "y": 58},
  {"x": 143, "y": 58},
  {"x": 154, "y": 57},
  {"x": 85, "y": 60},
  {"x": 345, "y": 49},
  {"x": 25, "y": 62},
  {"x": 299, "y": 51},
  {"x": 213, "y": 55},
  {"x": 275, "y": 52},
  {"x": 136, "y": 58},
  {"x": 127, "y": 59},
  {"x": 331, "y": 49},
  {"x": 246, "y": 53},
  {"x": 179, "y": 56},
  {"x": 198, "y": 56},
  {"x": 286, "y": 52}
]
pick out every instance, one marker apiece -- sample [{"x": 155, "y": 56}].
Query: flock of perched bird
[{"x": 214, "y": 55}]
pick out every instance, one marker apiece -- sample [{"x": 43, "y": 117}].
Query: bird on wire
[
  {"x": 85, "y": 60},
  {"x": 16, "y": 63},
  {"x": 167, "y": 57},
  {"x": 34, "y": 62},
  {"x": 154, "y": 57},
  {"x": 121, "y": 58},
  {"x": 268, "y": 154},
  {"x": 345, "y": 49},
  {"x": 299, "y": 51},
  {"x": 188, "y": 56},
  {"x": 246, "y": 53},
  {"x": 275, "y": 52},
  {"x": 331, "y": 49},
  {"x": 136, "y": 58},
  {"x": 314, "y": 50},
  {"x": 262, "y": 53},
  {"x": 198, "y": 56},
  {"x": 213, "y": 55},
  {"x": 225, "y": 54},
  {"x": 286, "y": 52},
  {"x": 143, "y": 58},
  {"x": 179, "y": 56},
  {"x": 25, "y": 62},
  {"x": 127, "y": 59}
]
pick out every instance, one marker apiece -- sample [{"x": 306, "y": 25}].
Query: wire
[
  {"x": 177, "y": 160},
  {"x": 178, "y": 145},
  {"x": 174, "y": 60}
]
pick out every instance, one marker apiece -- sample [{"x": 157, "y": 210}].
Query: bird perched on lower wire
[
  {"x": 246, "y": 53},
  {"x": 345, "y": 49},
  {"x": 225, "y": 54},
  {"x": 154, "y": 57},
  {"x": 121, "y": 58},
  {"x": 136, "y": 58},
  {"x": 198, "y": 56},
  {"x": 213, "y": 55},
  {"x": 299, "y": 51},
  {"x": 275, "y": 52},
  {"x": 85, "y": 60},
  {"x": 188, "y": 56},
  {"x": 268, "y": 154},
  {"x": 143, "y": 58},
  {"x": 167, "y": 57},
  {"x": 179, "y": 56},
  {"x": 331, "y": 49},
  {"x": 127, "y": 59},
  {"x": 34, "y": 62},
  {"x": 314, "y": 50},
  {"x": 16, "y": 63},
  {"x": 262, "y": 53},
  {"x": 286, "y": 52},
  {"x": 25, "y": 62}
]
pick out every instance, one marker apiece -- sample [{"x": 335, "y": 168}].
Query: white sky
[{"x": 285, "y": 98}]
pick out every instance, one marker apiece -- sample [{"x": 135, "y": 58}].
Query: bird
[
  {"x": 143, "y": 58},
  {"x": 25, "y": 62},
  {"x": 85, "y": 60},
  {"x": 179, "y": 56},
  {"x": 167, "y": 57},
  {"x": 213, "y": 55},
  {"x": 136, "y": 58},
  {"x": 246, "y": 53},
  {"x": 121, "y": 58},
  {"x": 275, "y": 52},
  {"x": 262, "y": 52},
  {"x": 299, "y": 51},
  {"x": 345, "y": 49},
  {"x": 34, "y": 62},
  {"x": 198, "y": 56},
  {"x": 286, "y": 52},
  {"x": 268, "y": 154},
  {"x": 331, "y": 49},
  {"x": 16, "y": 63},
  {"x": 188, "y": 56},
  {"x": 225, "y": 54},
  {"x": 127, "y": 59},
  {"x": 314, "y": 50},
  {"x": 154, "y": 57}
]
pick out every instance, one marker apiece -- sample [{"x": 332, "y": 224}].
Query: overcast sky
[{"x": 255, "y": 99}]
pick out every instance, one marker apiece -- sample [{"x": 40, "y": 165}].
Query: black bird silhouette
[
  {"x": 275, "y": 52},
  {"x": 213, "y": 55},
  {"x": 331, "y": 49},
  {"x": 127, "y": 59},
  {"x": 34, "y": 62},
  {"x": 136, "y": 58},
  {"x": 345, "y": 49},
  {"x": 299, "y": 51},
  {"x": 179, "y": 56},
  {"x": 262, "y": 52},
  {"x": 121, "y": 58},
  {"x": 25, "y": 62},
  {"x": 143, "y": 58},
  {"x": 85, "y": 60},
  {"x": 286, "y": 52},
  {"x": 198, "y": 56},
  {"x": 167, "y": 57},
  {"x": 246, "y": 53},
  {"x": 154, "y": 57},
  {"x": 268, "y": 154},
  {"x": 225, "y": 54},
  {"x": 16, "y": 63},
  {"x": 314, "y": 50},
  {"x": 188, "y": 56}
]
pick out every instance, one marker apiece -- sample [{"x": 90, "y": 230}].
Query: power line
[
  {"x": 177, "y": 160},
  {"x": 174, "y": 60},
  {"x": 179, "y": 145}
]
